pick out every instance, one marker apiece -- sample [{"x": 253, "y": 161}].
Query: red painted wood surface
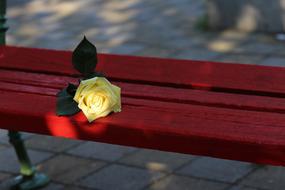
[{"x": 228, "y": 111}]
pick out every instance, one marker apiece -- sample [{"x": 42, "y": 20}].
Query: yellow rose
[{"x": 97, "y": 97}]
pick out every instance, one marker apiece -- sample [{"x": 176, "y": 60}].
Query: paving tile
[
  {"x": 3, "y": 137},
  {"x": 145, "y": 15},
  {"x": 101, "y": 151},
  {"x": 223, "y": 45},
  {"x": 53, "y": 186},
  {"x": 5, "y": 185},
  {"x": 8, "y": 156},
  {"x": 182, "y": 43},
  {"x": 120, "y": 39},
  {"x": 186, "y": 183},
  {"x": 49, "y": 143},
  {"x": 74, "y": 188},
  {"x": 5, "y": 140},
  {"x": 274, "y": 61},
  {"x": 125, "y": 49},
  {"x": 256, "y": 47},
  {"x": 197, "y": 54},
  {"x": 241, "y": 58},
  {"x": 69, "y": 169},
  {"x": 121, "y": 178},
  {"x": 156, "y": 160},
  {"x": 269, "y": 177},
  {"x": 232, "y": 34},
  {"x": 4, "y": 176},
  {"x": 217, "y": 169},
  {"x": 156, "y": 52},
  {"x": 241, "y": 187},
  {"x": 199, "y": 39},
  {"x": 281, "y": 49}
]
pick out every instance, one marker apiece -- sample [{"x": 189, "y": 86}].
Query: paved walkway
[{"x": 139, "y": 27}]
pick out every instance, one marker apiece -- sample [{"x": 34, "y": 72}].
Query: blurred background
[{"x": 243, "y": 31}]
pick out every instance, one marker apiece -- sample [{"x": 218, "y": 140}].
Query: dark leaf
[
  {"x": 94, "y": 74},
  {"x": 84, "y": 57},
  {"x": 71, "y": 89},
  {"x": 65, "y": 104}
]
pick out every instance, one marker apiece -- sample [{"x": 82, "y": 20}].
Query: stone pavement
[{"x": 139, "y": 27}]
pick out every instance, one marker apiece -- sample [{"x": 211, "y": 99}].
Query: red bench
[{"x": 229, "y": 111}]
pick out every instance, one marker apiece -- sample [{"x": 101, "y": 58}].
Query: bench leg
[
  {"x": 3, "y": 27},
  {"x": 29, "y": 179}
]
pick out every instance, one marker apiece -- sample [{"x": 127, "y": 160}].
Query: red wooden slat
[
  {"x": 232, "y": 134},
  {"x": 238, "y": 78},
  {"x": 50, "y": 84},
  {"x": 171, "y": 107}
]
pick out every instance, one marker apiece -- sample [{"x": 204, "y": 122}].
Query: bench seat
[{"x": 230, "y": 111}]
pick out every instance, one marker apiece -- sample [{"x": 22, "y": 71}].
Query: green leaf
[
  {"x": 84, "y": 57},
  {"x": 65, "y": 104}
]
